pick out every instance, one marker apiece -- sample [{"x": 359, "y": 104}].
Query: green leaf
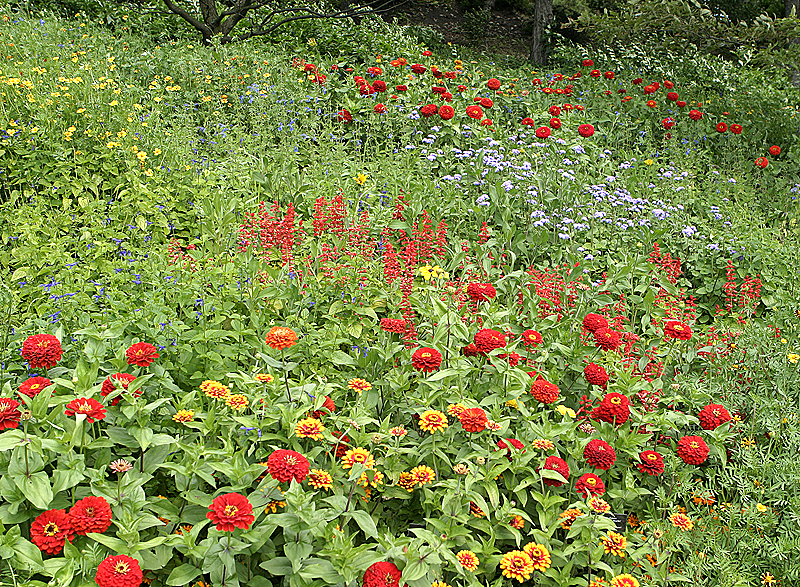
[
  {"x": 115, "y": 544},
  {"x": 341, "y": 358},
  {"x": 36, "y": 489},
  {"x": 365, "y": 522},
  {"x": 11, "y": 438},
  {"x": 183, "y": 575},
  {"x": 280, "y": 565}
]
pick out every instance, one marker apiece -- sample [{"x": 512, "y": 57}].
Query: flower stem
[{"x": 286, "y": 376}]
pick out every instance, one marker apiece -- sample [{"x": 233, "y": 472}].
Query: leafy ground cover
[{"x": 341, "y": 310}]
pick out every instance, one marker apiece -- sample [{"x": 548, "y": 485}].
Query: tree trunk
[{"x": 542, "y": 17}]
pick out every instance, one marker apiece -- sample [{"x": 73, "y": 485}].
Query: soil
[{"x": 507, "y": 32}]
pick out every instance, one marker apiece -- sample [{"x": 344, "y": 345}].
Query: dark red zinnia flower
[
  {"x": 487, "y": 102},
  {"x": 42, "y": 351},
  {"x": 382, "y": 574},
  {"x": 426, "y": 359},
  {"x": 473, "y": 419},
  {"x": 774, "y": 150},
  {"x": 344, "y": 116},
  {"x": 90, "y": 514},
  {"x": 470, "y": 350},
  {"x": 9, "y": 413},
  {"x": 231, "y": 511},
  {"x": 328, "y": 407},
  {"x": 487, "y": 340},
  {"x": 379, "y": 85},
  {"x": 285, "y": 465},
  {"x": 481, "y": 292},
  {"x": 595, "y": 374},
  {"x": 590, "y": 484},
  {"x": 607, "y": 339},
  {"x": 513, "y": 358},
  {"x": 554, "y": 110},
  {"x": 493, "y": 84},
  {"x": 679, "y": 330},
  {"x": 560, "y": 466},
  {"x": 119, "y": 571},
  {"x": 722, "y": 127},
  {"x": 712, "y": 416},
  {"x": 544, "y": 391},
  {"x": 122, "y": 379},
  {"x": 513, "y": 442},
  {"x": 651, "y": 462},
  {"x": 736, "y": 129},
  {"x": 446, "y": 112},
  {"x": 50, "y": 530},
  {"x": 695, "y": 115},
  {"x": 586, "y": 130},
  {"x": 543, "y": 132},
  {"x": 141, "y": 354},
  {"x": 614, "y": 409},
  {"x": 342, "y": 446},
  {"x": 92, "y": 408},
  {"x": 34, "y": 386},
  {"x": 555, "y": 123},
  {"x": 599, "y": 454},
  {"x": 475, "y": 112},
  {"x": 762, "y": 162},
  {"x": 594, "y": 322},
  {"x": 692, "y": 450}
]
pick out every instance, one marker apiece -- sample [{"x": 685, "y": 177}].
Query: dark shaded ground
[{"x": 506, "y": 33}]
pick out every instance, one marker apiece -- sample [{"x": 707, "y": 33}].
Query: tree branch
[{"x": 204, "y": 29}]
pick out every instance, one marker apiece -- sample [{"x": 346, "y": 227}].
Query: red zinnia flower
[
  {"x": 34, "y": 386},
  {"x": 736, "y": 129},
  {"x": 672, "y": 96},
  {"x": 493, "y": 84},
  {"x": 401, "y": 88},
  {"x": 285, "y": 465},
  {"x": 379, "y": 85},
  {"x": 607, "y": 339},
  {"x": 486, "y": 122},
  {"x": 599, "y": 454},
  {"x": 531, "y": 338},
  {"x": 595, "y": 73},
  {"x": 328, "y": 405},
  {"x": 473, "y": 419},
  {"x": 594, "y": 322},
  {"x": 528, "y": 121},
  {"x": 609, "y": 75},
  {"x": 595, "y": 374},
  {"x": 543, "y": 132},
  {"x": 680, "y": 104},
  {"x": 344, "y": 116},
  {"x": 475, "y": 112},
  {"x": 393, "y": 325},
  {"x": 651, "y": 463},
  {"x": 50, "y": 530},
  {"x": 42, "y": 351},
  {"x": 379, "y": 108},
  {"x": 92, "y": 408},
  {"x": 382, "y": 574},
  {"x": 722, "y": 127},
  {"x": 651, "y": 103},
  {"x": 587, "y": 63},
  {"x": 481, "y": 292},
  {"x": 668, "y": 123},
  {"x": 119, "y": 571},
  {"x": 342, "y": 446},
  {"x": 762, "y": 162},
  {"x": 486, "y": 340},
  {"x": 418, "y": 69},
  {"x": 90, "y": 514},
  {"x": 712, "y": 416},
  {"x": 555, "y": 123},
  {"x": 141, "y": 354},
  {"x": 695, "y": 114},
  {"x": 614, "y": 409},
  {"x": 122, "y": 379},
  {"x": 692, "y": 450},
  {"x": 586, "y": 130},
  {"x": 426, "y": 359},
  {"x": 446, "y": 111},
  {"x": 774, "y": 150},
  {"x": 590, "y": 484},
  {"x": 560, "y": 466},
  {"x": 9, "y": 414},
  {"x": 429, "y": 110},
  {"x": 679, "y": 330},
  {"x": 554, "y": 110},
  {"x": 487, "y": 102},
  {"x": 637, "y": 81},
  {"x": 513, "y": 442},
  {"x": 231, "y": 511},
  {"x": 544, "y": 391}
]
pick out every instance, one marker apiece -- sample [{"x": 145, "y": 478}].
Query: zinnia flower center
[
  {"x": 121, "y": 567},
  {"x": 290, "y": 460},
  {"x": 230, "y": 510},
  {"x": 51, "y": 529},
  {"x": 694, "y": 445},
  {"x": 84, "y": 407},
  {"x": 90, "y": 512},
  {"x": 616, "y": 401},
  {"x": 591, "y": 481},
  {"x": 425, "y": 355},
  {"x": 35, "y": 386},
  {"x": 651, "y": 457},
  {"x": 43, "y": 344},
  {"x": 678, "y": 327}
]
